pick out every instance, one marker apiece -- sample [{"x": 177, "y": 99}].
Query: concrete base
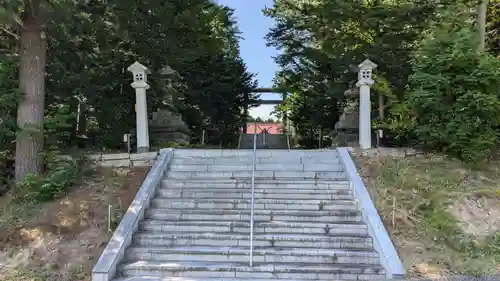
[{"x": 142, "y": 149}]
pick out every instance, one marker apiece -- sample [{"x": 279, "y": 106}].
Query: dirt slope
[
  {"x": 62, "y": 240},
  {"x": 442, "y": 215}
]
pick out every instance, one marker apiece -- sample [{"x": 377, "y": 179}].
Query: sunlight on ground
[{"x": 61, "y": 240}]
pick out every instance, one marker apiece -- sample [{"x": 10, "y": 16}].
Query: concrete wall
[{"x": 121, "y": 159}]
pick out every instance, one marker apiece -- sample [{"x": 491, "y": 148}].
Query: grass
[
  {"x": 24, "y": 275},
  {"x": 13, "y": 215},
  {"x": 417, "y": 198},
  {"x": 40, "y": 274},
  {"x": 15, "y": 263}
]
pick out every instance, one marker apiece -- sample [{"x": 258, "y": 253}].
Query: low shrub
[{"x": 58, "y": 178}]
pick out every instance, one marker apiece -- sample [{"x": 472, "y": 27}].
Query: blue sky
[{"x": 254, "y": 26}]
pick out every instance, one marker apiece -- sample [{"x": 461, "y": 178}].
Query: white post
[
  {"x": 140, "y": 85},
  {"x": 364, "y": 83}
]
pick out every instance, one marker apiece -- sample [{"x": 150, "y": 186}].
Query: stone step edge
[
  {"x": 260, "y": 189},
  {"x": 344, "y": 202},
  {"x": 242, "y": 195},
  {"x": 303, "y": 213},
  {"x": 151, "y": 278},
  {"x": 257, "y": 208},
  {"x": 257, "y": 267},
  {"x": 277, "y": 191},
  {"x": 277, "y": 166},
  {"x": 244, "y": 168},
  {"x": 257, "y": 181},
  {"x": 267, "y": 200},
  {"x": 239, "y": 223},
  {"x": 236, "y": 173},
  {"x": 189, "y": 177},
  {"x": 351, "y": 233},
  {"x": 249, "y": 154},
  {"x": 258, "y": 251},
  {"x": 278, "y": 162},
  {"x": 260, "y": 174},
  {"x": 238, "y": 236}
]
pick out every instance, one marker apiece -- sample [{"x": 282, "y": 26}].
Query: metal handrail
[
  {"x": 239, "y": 140},
  {"x": 254, "y": 160},
  {"x": 288, "y": 140}
]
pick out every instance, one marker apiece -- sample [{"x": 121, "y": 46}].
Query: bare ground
[{"x": 62, "y": 240}]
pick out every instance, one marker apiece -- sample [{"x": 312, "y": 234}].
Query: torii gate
[{"x": 283, "y": 92}]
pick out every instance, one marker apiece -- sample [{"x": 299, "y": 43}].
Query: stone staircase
[
  {"x": 307, "y": 224},
  {"x": 264, "y": 141}
]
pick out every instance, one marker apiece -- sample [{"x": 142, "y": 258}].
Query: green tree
[
  {"x": 323, "y": 41},
  {"x": 89, "y": 46},
  {"x": 493, "y": 28},
  {"x": 454, "y": 90}
]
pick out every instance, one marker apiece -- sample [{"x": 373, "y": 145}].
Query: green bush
[
  {"x": 60, "y": 176},
  {"x": 184, "y": 145},
  {"x": 454, "y": 95}
]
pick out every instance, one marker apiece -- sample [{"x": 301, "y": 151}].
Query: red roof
[{"x": 271, "y": 128}]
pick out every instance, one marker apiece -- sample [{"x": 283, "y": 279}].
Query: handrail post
[
  {"x": 254, "y": 160},
  {"x": 239, "y": 140},
  {"x": 203, "y": 138},
  {"x": 288, "y": 140}
]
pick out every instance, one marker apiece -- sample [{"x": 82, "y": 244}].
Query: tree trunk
[
  {"x": 30, "y": 111},
  {"x": 481, "y": 23}
]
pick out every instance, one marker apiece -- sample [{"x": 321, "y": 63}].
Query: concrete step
[
  {"x": 259, "y": 215},
  {"x": 260, "y": 204},
  {"x": 259, "y": 183},
  {"x": 259, "y": 194},
  {"x": 259, "y": 240},
  {"x": 146, "y": 277},
  {"x": 290, "y": 167},
  {"x": 239, "y": 254},
  {"x": 241, "y": 271},
  {"x": 353, "y": 229},
  {"x": 260, "y": 153},
  {"x": 248, "y": 160},
  {"x": 266, "y": 146},
  {"x": 258, "y": 174}
]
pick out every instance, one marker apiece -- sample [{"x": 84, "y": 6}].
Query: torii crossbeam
[{"x": 283, "y": 92}]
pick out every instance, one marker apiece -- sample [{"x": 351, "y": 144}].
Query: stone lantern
[
  {"x": 166, "y": 124},
  {"x": 140, "y": 78},
  {"x": 365, "y": 81}
]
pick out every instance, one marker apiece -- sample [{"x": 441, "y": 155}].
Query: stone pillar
[
  {"x": 140, "y": 85},
  {"x": 365, "y": 81}
]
